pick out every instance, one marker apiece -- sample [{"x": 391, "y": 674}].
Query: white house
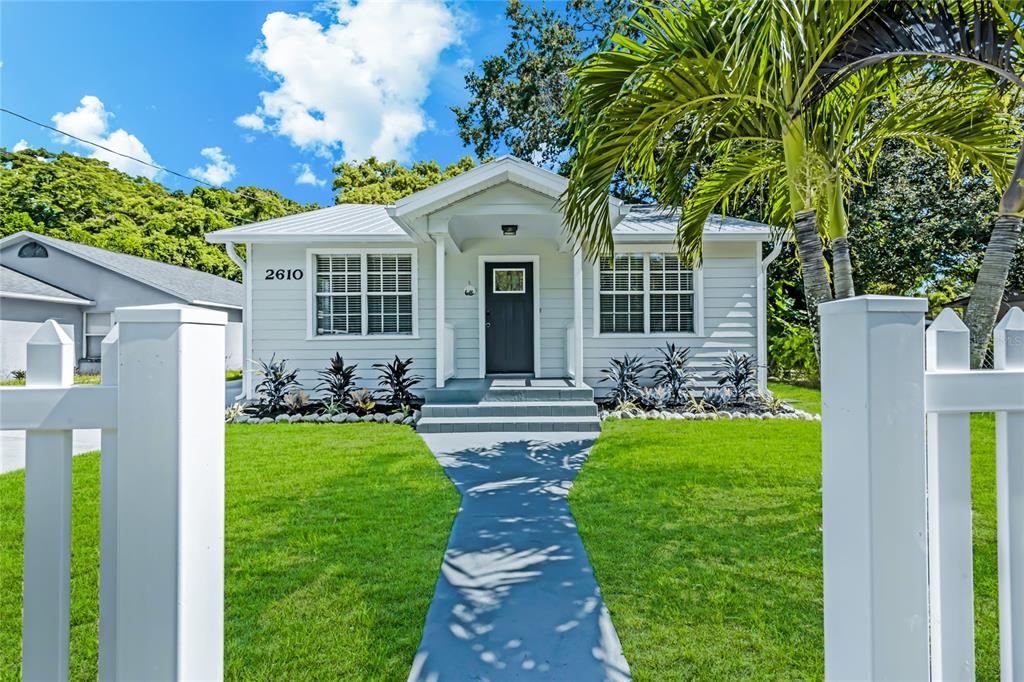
[
  {"x": 79, "y": 286},
  {"x": 476, "y": 277}
]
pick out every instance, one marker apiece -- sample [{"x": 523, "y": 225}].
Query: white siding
[
  {"x": 730, "y": 316},
  {"x": 280, "y": 311}
]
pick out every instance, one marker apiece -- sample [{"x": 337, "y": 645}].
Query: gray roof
[
  {"x": 189, "y": 285},
  {"x": 17, "y": 285},
  {"x": 360, "y": 220},
  {"x": 373, "y": 222},
  {"x": 651, "y": 219}
]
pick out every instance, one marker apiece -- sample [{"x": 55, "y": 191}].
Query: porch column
[
  {"x": 439, "y": 309},
  {"x": 577, "y": 314}
]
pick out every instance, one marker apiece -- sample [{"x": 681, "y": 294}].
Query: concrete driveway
[
  {"x": 516, "y": 598},
  {"x": 12, "y": 443}
]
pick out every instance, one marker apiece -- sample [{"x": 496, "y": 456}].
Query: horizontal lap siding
[
  {"x": 280, "y": 314},
  {"x": 730, "y": 317},
  {"x": 463, "y": 311}
]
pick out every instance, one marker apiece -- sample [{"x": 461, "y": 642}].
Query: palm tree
[
  {"x": 723, "y": 87},
  {"x": 985, "y": 37}
]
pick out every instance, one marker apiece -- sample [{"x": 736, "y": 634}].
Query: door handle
[{"x": 487, "y": 325}]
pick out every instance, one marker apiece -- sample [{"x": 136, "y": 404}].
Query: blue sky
[{"x": 267, "y": 94}]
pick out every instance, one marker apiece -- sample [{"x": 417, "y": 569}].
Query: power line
[{"x": 129, "y": 156}]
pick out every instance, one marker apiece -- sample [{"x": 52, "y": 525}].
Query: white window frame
[
  {"x": 85, "y": 329},
  {"x": 494, "y": 280},
  {"x": 646, "y": 250},
  {"x": 311, "y": 255}
]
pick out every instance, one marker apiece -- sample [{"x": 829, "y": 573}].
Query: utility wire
[{"x": 129, "y": 156}]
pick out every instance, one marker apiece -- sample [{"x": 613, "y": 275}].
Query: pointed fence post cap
[
  {"x": 50, "y": 356},
  {"x": 1009, "y": 340},
  {"x": 948, "y": 342}
]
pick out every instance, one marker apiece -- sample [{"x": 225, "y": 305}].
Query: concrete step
[
  {"x": 481, "y": 424},
  {"x": 558, "y": 408},
  {"x": 519, "y": 394}
]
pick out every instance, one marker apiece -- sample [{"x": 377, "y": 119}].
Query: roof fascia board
[
  {"x": 304, "y": 238},
  {"x": 47, "y": 299}
]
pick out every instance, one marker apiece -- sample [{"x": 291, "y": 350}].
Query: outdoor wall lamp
[
  {"x": 509, "y": 230},
  {"x": 469, "y": 290}
]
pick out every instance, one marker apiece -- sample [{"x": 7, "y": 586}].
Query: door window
[{"x": 509, "y": 281}]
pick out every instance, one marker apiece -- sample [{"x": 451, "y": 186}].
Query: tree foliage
[
  {"x": 384, "y": 182},
  {"x": 84, "y": 200}
]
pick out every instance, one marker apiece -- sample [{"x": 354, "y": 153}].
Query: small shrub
[
  {"x": 627, "y": 406},
  {"x": 337, "y": 380},
  {"x": 332, "y": 407},
  {"x": 771, "y": 402},
  {"x": 715, "y": 399},
  {"x": 738, "y": 375},
  {"x": 276, "y": 384},
  {"x": 362, "y": 399},
  {"x": 235, "y": 410},
  {"x": 624, "y": 375},
  {"x": 674, "y": 373},
  {"x": 396, "y": 381},
  {"x": 296, "y": 402},
  {"x": 791, "y": 355},
  {"x": 654, "y": 397}
]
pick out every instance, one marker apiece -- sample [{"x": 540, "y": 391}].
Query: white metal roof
[
  {"x": 370, "y": 221},
  {"x": 650, "y": 220},
  {"x": 14, "y": 284}
]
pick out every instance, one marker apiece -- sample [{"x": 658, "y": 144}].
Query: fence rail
[
  {"x": 896, "y": 487},
  {"x": 161, "y": 494}
]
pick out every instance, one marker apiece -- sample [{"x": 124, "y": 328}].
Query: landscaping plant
[
  {"x": 654, "y": 397},
  {"x": 674, "y": 373},
  {"x": 296, "y": 402},
  {"x": 337, "y": 380},
  {"x": 715, "y": 399},
  {"x": 397, "y": 382},
  {"x": 276, "y": 384},
  {"x": 738, "y": 375},
  {"x": 624, "y": 375},
  {"x": 362, "y": 399}
]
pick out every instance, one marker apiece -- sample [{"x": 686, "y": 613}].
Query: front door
[{"x": 508, "y": 317}]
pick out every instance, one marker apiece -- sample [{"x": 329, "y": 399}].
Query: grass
[
  {"x": 232, "y": 374},
  {"x": 334, "y": 538},
  {"x": 705, "y": 539}
]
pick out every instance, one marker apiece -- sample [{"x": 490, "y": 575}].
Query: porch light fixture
[
  {"x": 469, "y": 290},
  {"x": 509, "y": 230}
]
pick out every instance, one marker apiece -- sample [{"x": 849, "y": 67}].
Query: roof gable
[
  {"x": 191, "y": 286},
  {"x": 14, "y": 284}
]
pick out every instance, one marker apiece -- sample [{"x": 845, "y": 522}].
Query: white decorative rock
[
  {"x": 338, "y": 419},
  {"x": 416, "y": 415},
  {"x": 266, "y": 420},
  {"x": 395, "y": 418},
  {"x": 366, "y": 418},
  {"x": 380, "y": 417},
  {"x": 295, "y": 419},
  {"x": 409, "y": 420},
  {"x": 352, "y": 418},
  {"x": 309, "y": 418},
  {"x": 241, "y": 419}
]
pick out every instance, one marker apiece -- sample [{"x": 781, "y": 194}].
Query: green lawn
[
  {"x": 705, "y": 539},
  {"x": 334, "y": 539}
]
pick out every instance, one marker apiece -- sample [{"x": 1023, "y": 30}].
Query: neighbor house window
[
  {"x": 33, "y": 250},
  {"x": 364, "y": 293},
  {"x": 97, "y": 326},
  {"x": 646, "y": 293}
]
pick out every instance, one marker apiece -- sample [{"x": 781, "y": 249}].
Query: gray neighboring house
[{"x": 80, "y": 286}]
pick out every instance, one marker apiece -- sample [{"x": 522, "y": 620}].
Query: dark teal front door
[{"x": 508, "y": 317}]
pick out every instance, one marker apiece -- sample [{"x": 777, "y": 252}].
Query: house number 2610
[{"x": 284, "y": 274}]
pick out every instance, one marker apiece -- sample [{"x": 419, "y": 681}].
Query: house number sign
[{"x": 281, "y": 273}]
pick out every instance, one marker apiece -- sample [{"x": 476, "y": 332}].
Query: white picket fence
[
  {"x": 160, "y": 408},
  {"x": 896, "y": 404}
]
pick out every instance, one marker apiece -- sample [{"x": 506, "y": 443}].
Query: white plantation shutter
[
  {"x": 672, "y": 295},
  {"x": 622, "y": 294},
  {"x": 351, "y": 287},
  {"x": 646, "y": 293}
]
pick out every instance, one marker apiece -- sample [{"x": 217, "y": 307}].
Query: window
[
  {"x": 33, "y": 250},
  {"x": 363, "y": 293},
  {"x": 97, "y": 326},
  {"x": 509, "y": 280},
  {"x": 622, "y": 294},
  {"x": 646, "y": 293}
]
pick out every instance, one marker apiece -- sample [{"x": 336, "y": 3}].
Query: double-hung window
[
  {"x": 646, "y": 293},
  {"x": 364, "y": 293}
]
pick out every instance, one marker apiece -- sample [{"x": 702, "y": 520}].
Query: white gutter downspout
[
  {"x": 244, "y": 266},
  {"x": 762, "y": 311}
]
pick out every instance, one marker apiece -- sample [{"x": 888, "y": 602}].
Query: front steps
[{"x": 503, "y": 404}]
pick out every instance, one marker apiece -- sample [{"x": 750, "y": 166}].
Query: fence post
[
  {"x": 170, "y": 494},
  {"x": 108, "y": 517},
  {"x": 873, "y": 488},
  {"x": 45, "y": 626},
  {"x": 1009, "y": 354},
  {"x": 950, "y": 549}
]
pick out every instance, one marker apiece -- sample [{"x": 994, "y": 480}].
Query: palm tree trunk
[
  {"x": 843, "y": 274},
  {"x": 812, "y": 264},
  {"x": 987, "y": 295}
]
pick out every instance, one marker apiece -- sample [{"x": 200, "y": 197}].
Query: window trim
[
  {"x": 494, "y": 280},
  {"x": 646, "y": 250},
  {"x": 86, "y": 334},
  {"x": 310, "y": 277}
]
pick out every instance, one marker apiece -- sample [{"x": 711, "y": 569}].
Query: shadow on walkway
[{"x": 516, "y": 598}]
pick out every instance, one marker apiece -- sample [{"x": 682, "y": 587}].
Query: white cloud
[
  {"x": 91, "y": 121},
  {"x": 20, "y": 145},
  {"x": 306, "y": 176},
  {"x": 359, "y": 81},
  {"x": 218, "y": 171},
  {"x": 251, "y": 121}
]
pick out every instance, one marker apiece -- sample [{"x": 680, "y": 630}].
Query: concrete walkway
[{"x": 516, "y": 599}]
